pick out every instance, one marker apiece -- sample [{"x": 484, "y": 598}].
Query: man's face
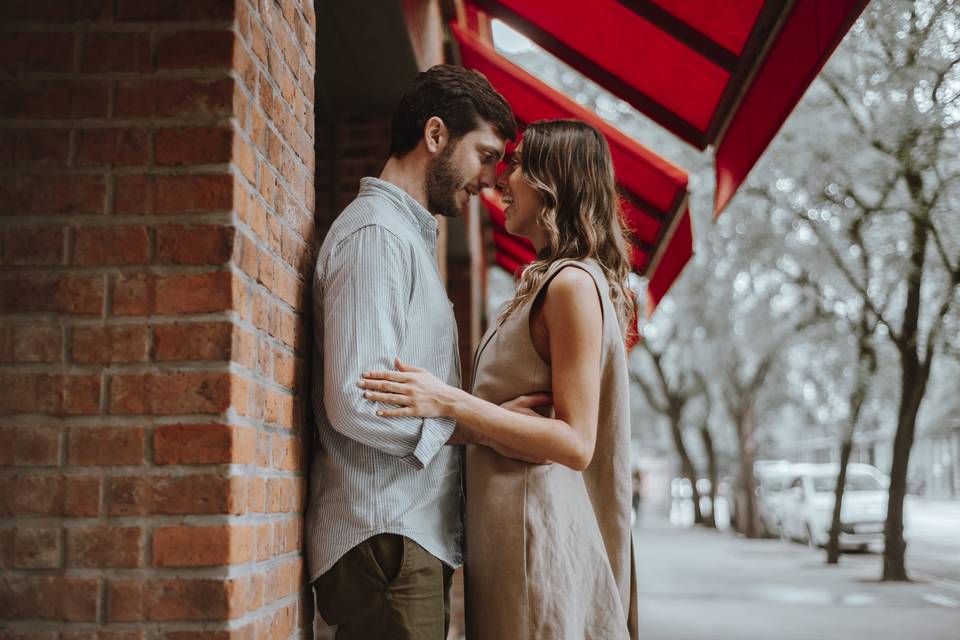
[{"x": 462, "y": 169}]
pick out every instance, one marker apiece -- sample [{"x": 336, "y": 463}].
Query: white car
[
  {"x": 771, "y": 477},
  {"x": 808, "y": 505}
]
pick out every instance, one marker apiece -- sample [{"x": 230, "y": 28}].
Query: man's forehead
[{"x": 486, "y": 135}]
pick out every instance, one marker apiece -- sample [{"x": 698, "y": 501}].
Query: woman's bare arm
[{"x": 574, "y": 323}]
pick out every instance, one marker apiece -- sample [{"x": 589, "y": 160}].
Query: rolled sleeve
[
  {"x": 364, "y": 308},
  {"x": 433, "y": 436}
]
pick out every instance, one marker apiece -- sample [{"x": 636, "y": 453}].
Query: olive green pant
[{"x": 387, "y": 587}]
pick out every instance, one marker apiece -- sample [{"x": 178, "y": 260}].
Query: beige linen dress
[{"x": 548, "y": 550}]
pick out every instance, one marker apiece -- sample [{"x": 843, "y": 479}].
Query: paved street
[{"x": 701, "y": 584}]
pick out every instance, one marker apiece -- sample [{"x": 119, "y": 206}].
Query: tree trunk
[
  {"x": 707, "y": 438},
  {"x": 913, "y": 384},
  {"x": 833, "y": 545},
  {"x": 912, "y": 388},
  {"x": 866, "y": 368},
  {"x": 746, "y": 484},
  {"x": 687, "y": 467}
]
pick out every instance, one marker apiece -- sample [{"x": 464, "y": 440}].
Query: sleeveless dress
[{"x": 549, "y": 553}]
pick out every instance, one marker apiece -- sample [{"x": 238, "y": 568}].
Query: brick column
[{"x": 156, "y": 232}]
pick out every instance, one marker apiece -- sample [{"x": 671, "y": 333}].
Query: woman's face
[{"x": 524, "y": 203}]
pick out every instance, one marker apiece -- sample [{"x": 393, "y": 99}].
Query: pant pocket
[{"x": 387, "y": 552}]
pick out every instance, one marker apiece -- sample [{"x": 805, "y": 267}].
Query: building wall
[{"x": 156, "y": 233}]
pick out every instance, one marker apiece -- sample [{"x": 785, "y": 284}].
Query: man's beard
[{"x": 443, "y": 183}]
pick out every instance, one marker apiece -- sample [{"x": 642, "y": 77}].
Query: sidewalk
[{"x": 702, "y": 584}]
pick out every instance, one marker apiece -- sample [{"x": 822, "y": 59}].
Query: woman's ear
[{"x": 435, "y": 134}]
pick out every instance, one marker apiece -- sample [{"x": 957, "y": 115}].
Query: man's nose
[{"x": 488, "y": 178}]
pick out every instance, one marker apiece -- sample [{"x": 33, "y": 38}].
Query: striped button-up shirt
[{"x": 377, "y": 296}]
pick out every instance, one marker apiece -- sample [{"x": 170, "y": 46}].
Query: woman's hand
[{"x": 415, "y": 392}]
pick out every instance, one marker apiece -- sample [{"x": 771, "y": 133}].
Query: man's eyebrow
[{"x": 488, "y": 148}]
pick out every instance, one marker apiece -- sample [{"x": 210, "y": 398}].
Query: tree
[
  {"x": 877, "y": 197},
  {"x": 670, "y": 396}
]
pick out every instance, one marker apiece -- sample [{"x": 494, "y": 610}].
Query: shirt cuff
[{"x": 434, "y": 434}]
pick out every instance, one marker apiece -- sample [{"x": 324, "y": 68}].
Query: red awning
[
  {"x": 724, "y": 73},
  {"x": 654, "y": 190}
]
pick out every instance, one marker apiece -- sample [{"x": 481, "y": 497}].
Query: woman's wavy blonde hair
[{"x": 568, "y": 162}]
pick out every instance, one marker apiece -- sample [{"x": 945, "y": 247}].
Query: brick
[
  {"x": 95, "y": 246},
  {"x": 194, "y": 293},
  {"x": 286, "y": 453},
  {"x": 194, "y": 193},
  {"x": 195, "y": 49},
  {"x": 82, "y": 496},
  {"x": 174, "y": 599},
  {"x": 36, "y": 548},
  {"x": 105, "y": 446},
  {"x": 170, "y": 393},
  {"x": 31, "y": 343},
  {"x": 6, "y": 548},
  {"x": 51, "y": 11},
  {"x": 192, "y": 341},
  {"x": 33, "y": 246},
  {"x": 34, "y": 148},
  {"x": 125, "y": 600},
  {"x": 256, "y": 496},
  {"x": 52, "y": 195},
  {"x": 8, "y": 439},
  {"x": 133, "y": 194},
  {"x": 177, "y": 495},
  {"x": 285, "y": 369},
  {"x": 74, "y": 295},
  {"x": 133, "y": 294},
  {"x": 129, "y": 634},
  {"x": 110, "y": 344},
  {"x": 210, "y": 443},
  {"x": 36, "y": 51},
  {"x": 50, "y": 598},
  {"x": 194, "y": 244},
  {"x": 112, "y": 147},
  {"x": 173, "y": 10},
  {"x": 192, "y": 145},
  {"x": 174, "y": 98},
  {"x": 54, "y": 99},
  {"x": 81, "y": 395},
  {"x": 183, "y": 546},
  {"x": 37, "y": 446},
  {"x": 246, "y": 160},
  {"x": 104, "y": 547},
  {"x": 106, "y": 52},
  {"x": 31, "y": 393},
  {"x": 38, "y": 495}
]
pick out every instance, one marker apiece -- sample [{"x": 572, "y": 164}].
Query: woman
[{"x": 548, "y": 548}]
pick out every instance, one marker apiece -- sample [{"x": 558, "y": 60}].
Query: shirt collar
[{"x": 414, "y": 211}]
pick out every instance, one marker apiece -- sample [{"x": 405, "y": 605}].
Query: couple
[{"x": 541, "y": 516}]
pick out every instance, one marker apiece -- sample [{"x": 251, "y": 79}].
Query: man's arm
[{"x": 364, "y": 309}]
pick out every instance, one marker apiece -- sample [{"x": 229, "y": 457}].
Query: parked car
[
  {"x": 808, "y": 505},
  {"x": 772, "y": 479}
]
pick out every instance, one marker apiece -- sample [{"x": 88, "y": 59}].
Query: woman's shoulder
[{"x": 573, "y": 284}]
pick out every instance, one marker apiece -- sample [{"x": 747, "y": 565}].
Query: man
[{"x": 384, "y": 525}]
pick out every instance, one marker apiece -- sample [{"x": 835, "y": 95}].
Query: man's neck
[{"x": 408, "y": 174}]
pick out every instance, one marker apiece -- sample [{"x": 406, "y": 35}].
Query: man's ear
[{"x": 435, "y": 134}]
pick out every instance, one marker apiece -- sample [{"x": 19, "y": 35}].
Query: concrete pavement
[{"x": 700, "y": 584}]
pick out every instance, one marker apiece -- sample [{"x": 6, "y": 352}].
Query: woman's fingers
[
  {"x": 388, "y": 398},
  {"x": 396, "y": 413},
  {"x": 395, "y": 376},
  {"x": 405, "y": 367},
  {"x": 384, "y": 386}
]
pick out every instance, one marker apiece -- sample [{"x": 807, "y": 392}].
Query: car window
[{"x": 855, "y": 482}]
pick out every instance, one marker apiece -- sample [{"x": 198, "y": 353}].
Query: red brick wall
[{"x": 156, "y": 232}]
